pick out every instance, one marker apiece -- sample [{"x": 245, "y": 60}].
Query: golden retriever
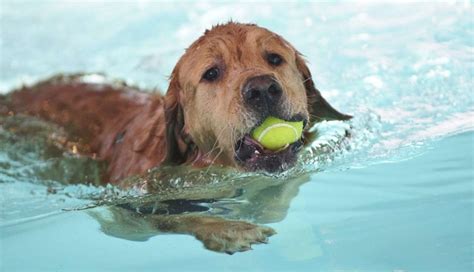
[{"x": 226, "y": 84}]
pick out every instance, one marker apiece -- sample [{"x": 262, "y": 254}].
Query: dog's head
[{"x": 226, "y": 84}]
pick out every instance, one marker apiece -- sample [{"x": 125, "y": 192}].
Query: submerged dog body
[{"x": 226, "y": 84}]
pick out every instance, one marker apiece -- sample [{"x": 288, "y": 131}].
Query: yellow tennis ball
[{"x": 275, "y": 133}]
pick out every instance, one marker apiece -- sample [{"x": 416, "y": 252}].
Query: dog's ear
[
  {"x": 179, "y": 144},
  {"x": 318, "y": 108}
]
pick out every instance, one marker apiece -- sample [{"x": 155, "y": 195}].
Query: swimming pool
[{"x": 398, "y": 196}]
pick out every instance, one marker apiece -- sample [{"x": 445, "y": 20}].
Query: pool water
[{"x": 395, "y": 196}]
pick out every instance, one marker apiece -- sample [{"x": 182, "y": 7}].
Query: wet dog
[{"x": 227, "y": 82}]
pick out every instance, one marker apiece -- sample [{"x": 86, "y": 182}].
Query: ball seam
[{"x": 266, "y": 130}]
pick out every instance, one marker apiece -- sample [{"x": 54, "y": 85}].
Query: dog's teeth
[{"x": 257, "y": 152}]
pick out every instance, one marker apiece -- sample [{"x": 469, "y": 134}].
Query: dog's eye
[
  {"x": 211, "y": 74},
  {"x": 274, "y": 59}
]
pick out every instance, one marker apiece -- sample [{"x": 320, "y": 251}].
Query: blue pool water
[{"x": 397, "y": 196}]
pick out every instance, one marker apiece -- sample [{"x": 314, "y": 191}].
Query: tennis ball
[{"x": 275, "y": 133}]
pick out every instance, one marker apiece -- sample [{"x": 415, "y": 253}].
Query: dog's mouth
[{"x": 252, "y": 156}]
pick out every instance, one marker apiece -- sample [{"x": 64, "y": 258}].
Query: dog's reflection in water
[{"x": 225, "y": 217}]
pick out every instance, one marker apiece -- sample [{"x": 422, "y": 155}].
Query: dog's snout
[{"x": 262, "y": 92}]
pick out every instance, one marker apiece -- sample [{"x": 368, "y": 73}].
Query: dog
[{"x": 227, "y": 83}]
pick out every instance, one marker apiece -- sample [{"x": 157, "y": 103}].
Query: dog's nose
[{"x": 262, "y": 92}]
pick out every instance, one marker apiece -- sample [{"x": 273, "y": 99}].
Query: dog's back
[
  {"x": 117, "y": 121},
  {"x": 83, "y": 102}
]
